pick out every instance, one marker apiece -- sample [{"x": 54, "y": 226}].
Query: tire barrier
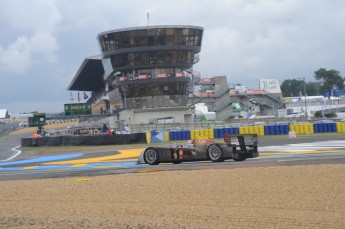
[
  {"x": 164, "y": 136},
  {"x": 325, "y": 127},
  {"x": 259, "y": 130},
  {"x": 219, "y": 132},
  {"x": 302, "y": 128},
  {"x": 340, "y": 127},
  {"x": 179, "y": 135},
  {"x": 85, "y": 140},
  {"x": 276, "y": 129},
  {"x": 202, "y": 134}
]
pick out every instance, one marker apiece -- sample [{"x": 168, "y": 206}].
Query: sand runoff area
[{"x": 310, "y": 196}]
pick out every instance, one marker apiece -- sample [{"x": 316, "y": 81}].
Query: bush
[
  {"x": 331, "y": 115},
  {"x": 318, "y": 114}
]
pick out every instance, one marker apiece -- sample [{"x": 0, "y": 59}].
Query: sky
[{"x": 44, "y": 42}]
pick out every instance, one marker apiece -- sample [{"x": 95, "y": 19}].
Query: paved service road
[
  {"x": 278, "y": 150},
  {"x": 8, "y": 144}
]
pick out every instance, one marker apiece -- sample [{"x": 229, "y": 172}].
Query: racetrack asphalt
[{"x": 44, "y": 162}]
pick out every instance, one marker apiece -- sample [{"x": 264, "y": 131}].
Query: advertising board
[{"x": 77, "y": 109}]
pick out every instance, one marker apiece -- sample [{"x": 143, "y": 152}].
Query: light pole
[{"x": 305, "y": 99}]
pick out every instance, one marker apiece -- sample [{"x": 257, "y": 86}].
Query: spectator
[
  {"x": 104, "y": 128},
  {"x": 108, "y": 132},
  {"x": 127, "y": 130},
  {"x": 36, "y": 136}
]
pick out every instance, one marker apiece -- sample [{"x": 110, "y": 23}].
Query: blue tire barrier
[
  {"x": 276, "y": 130},
  {"x": 183, "y": 135},
  {"x": 325, "y": 127},
  {"x": 216, "y": 133},
  {"x": 179, "y": 135},
  {"x": 219, "y": 132}
]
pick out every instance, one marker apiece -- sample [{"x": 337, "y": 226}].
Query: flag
[
  {"x": 78, "y": 97},
  {"x": 85, "y": 95},
  {"x": 71, "y": 96}
]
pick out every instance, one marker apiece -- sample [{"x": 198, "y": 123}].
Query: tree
[
  {"x": 329, "y": 79},
  {"x": 318, "y": 114},
  {"x": 312, "y": 88},
  {"x": 292, "y": 87},
  {"x": 331, "y": 115}
]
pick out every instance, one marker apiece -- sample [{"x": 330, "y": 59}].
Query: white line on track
[{"x": 15, "y": 155}]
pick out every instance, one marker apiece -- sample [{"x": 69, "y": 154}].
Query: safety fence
[{"x": 211, "y": 133}]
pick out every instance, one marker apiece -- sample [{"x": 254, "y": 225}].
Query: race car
[{"x": 235, "y": 148}]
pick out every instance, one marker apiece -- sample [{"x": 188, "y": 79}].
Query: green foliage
[
  {"x": 331, "y": 115},
  {"x": 312, "y": 88},
  {"x": 292, "y": 87},
  {"x": 318, "y": 114},
  {"x": 329, "y": 79}
]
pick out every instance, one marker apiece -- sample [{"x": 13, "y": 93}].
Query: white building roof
[{"x": 4, "y": 114}]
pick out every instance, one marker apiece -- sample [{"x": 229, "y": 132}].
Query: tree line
[{"x": 326, "y": 80}]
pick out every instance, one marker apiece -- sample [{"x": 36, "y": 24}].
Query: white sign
[{"x": 269, "y": 85}]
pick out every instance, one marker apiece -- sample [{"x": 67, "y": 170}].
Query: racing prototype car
[{"x": 202, "y": 150}]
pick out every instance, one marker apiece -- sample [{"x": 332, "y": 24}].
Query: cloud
[
  {"x": 243, "y": 39},
  {"x": 36, "y": 22},
  {"x": 25, "y": 51}
]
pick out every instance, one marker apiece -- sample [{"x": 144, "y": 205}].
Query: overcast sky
[{"x": 44, "y": 42}]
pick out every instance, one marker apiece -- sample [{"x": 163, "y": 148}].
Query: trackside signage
[{"x": 77, "y": 109}]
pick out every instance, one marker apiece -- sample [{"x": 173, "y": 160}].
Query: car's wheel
[
  {"x": 215, "y": 153},
  {"x": 151, "y": 156},
  {"x": 240, "y": 157},
  {"x": 177, "y": 162}
]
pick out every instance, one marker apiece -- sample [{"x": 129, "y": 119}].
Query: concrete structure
[
  {"x": 4, "y": 114},
  {"x": 256, "y": 102},
  {"x": 214, "y": 93},
  {"x": 296, "y": 106},
  {"x": 143, "y": 74}
]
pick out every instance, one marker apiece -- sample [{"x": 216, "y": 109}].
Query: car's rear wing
[
  {"x": 242, "y": 143},
  {"x": 229, "y": 139}
]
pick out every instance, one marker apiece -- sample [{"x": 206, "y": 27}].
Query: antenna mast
[{"x": 148, "y": 18}]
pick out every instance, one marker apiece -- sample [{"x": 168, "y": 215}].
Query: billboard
[
  {"x": 209, "y": 80},
  {"x": 162, "y": 75},
  {"x": 247, "y": 92},
  {"x": 38, "y": 119},
  {"x": 179, "y": 74},
  {"x": 269, "y": 85},
  {"x": 77, "y": 109}
]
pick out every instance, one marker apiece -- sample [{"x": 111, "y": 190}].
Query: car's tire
[
  {"x": 240, "y": 157},
  {"x": 151, "y": 156},
  {"x": 215, "y": 153},
  {"x": 177, "y": 162}
]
